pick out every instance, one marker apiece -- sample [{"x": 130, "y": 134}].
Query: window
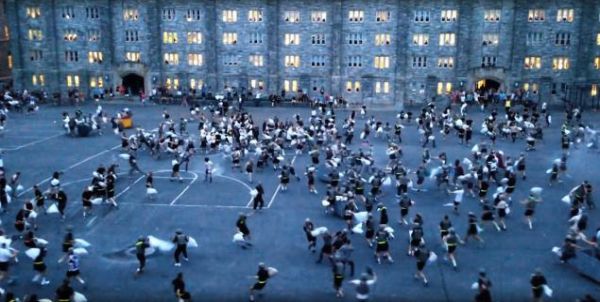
[
  {"x": 317, "y": 61},
  {"x": 356, "y": 16},
  {"x": 6, "y": 33},
  {"x": 318, "y": 39},
  {"x": 231, "y": 60},
  {"x": 229, "y": 38},
  {"x": 534, "y": 38},
  {"x": 560, "y": 63},
  {"x": 563, "y": 39},
  {"x": 257, "y": 84},
  {"x": 35, "y": 34},
  {"x": 597, "y": 62},
  {"x": 72, "y": 81},
  {"x": 421, "y": 39},
  {"x": 36, "y": 55},
  {"x": 383, "y": 39},
  {"x": 291, "y": 39},
  {"x": 354, "y": 61},
  {"x": 131, "y": 35},
  {"x": 488, "y": 61},
  {"x": 255, "y": 38},
  {"x": 68, "y": 12},
  {"x": 353, "y": 86},
  {"x": 447, "y": 39},
  {"x": 422, "y": 16},
  {"x": 70, "y": 35},
  {"x": 170, "y": 37},
  {"x": 97, "y": 82},
  {"x": 446, "y": 62},
  {"x": 133, "y": 56},
  {"x": 382, "y": 16},
  {"x": 419, "y": 62},
  {"x": 38, "y": 80},
  {"x": 168, "y": 14},
  {"x": 256, "y": 60},
  {"x": 382, "y": 87},
  {"x": 382, "y": 62},
  {"x": 492, "y": 15},
  {"x": 255, "y": 15},
  {"x": 196, "y": 83},
  {"x": 533, "y": 87},
  {"x": 290, "y": 85},
  {"x": 192, "y": 15},
  {"x": 9, "y": 59},
  {"x": 490, "y": 40},
  {"x": 230, "y": 16},
  {"x": 533, "y": 62},
  {"x": 594, "y": 90},
  {"x": 92, "y": 12},
  {"x": 172, "y": 83},
  {"x": 195, "y": 59},
  {"x": 598, "y": 39},
  {"x": 171, "y": 58},
  {"x": 95, "y": 57},
  {"x": 292, "y": 61},
  {"x": 131, "y": 14},
  {"x": 194, "y": 37},
  {"x": 536, "y": 15},
  {"x": 318, "y": 16},
  {"x": 565, "y": 15},
  {"x": 355, "y": 38},
  {"x": 449, "y": 15},
  {"x": 71, "y": 56},
  {"x": 291, "y": 16},
  {"x": 444, "y": 88},
  {"x": 33, "y": 12},
  {"x": 93, "y": 35}
]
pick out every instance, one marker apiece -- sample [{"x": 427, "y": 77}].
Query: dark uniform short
[
  {"x": 529, "y": 212},
  {"x": 3, "y": 266},
  {"x": 72, "y": 273},
  {"x": 487, "y": 216},
  {"x": 39, "y": 266},
  {"x": 420, "y": 265},
  {"x": 382, "y": 246},
  {"x": 337, "y": 281},
  {"x": 451, "y": 248}
]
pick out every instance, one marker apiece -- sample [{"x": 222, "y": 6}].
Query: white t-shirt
[{"x": 5, "y": 255}]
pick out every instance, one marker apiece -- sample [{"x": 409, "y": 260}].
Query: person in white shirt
[
  {"x": 364, "y": 284},
  {"x": 458, "y": 197},
  {"x": 6, "y": 254},
  {"x": 208, "y": 169}
]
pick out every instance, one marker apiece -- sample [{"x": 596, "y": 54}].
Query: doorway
[
  {"x": 133, "y": 83},
  {"x": 488, "y": 85}
]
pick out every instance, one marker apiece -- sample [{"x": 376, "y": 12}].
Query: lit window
[
  {"x": 490, "y": 39},
  {"x": 421, "y": 39},
  {"x": 444, "y": 88},
  {"x": 196, "y": 83},
  {"x": 382, "y": 87},
  {"x": 230, "y": 16},
  {"x": 291, "y": 16},
  {"x": 257, "y": 84},
  {"x": 446, "y": 62},
  {"x": 192, "y": 15},
  {"x": 422, "y": 16},
  {"x": 70, "y": 35},
  {"x": 6, "y": 33},
  {"x": 172, "y": 83},
  {"x": 318, "y": 39},
  {"x": 170, "y": 37},
  {"x": 68, "y": 12},
  {"x": 97, "y": 82},
  {"x": 492, "y": 15},
  {"x": 447, "y": 39},
  {"x": 598, "y": 39},
  {"x": 597, "y": 62},
  {"x": 33, "y": 12},
  {"x": 383, "y": 39},
  {"x": 256, "y": 60},
  {"x": 382, "y": 16},
  {"x": 291, "y": 39},
  {"x": 9, "y": 58},
  {"x": 72, "y": 81},
  {"x": 38, "y": 80},
  {"x": 356, "y": 16},
  {"x": 560, "y": 63},
  {"x": 133, "y": 56},
  {"x": 382, "y": 62},
  {"x": 171, "y": 58},
  {"x": 93, "y": 35},
  {"x": 35, "y": 34},
  {"x": 255, "y": 15},
  {"x": 290, "y": 85},
  {"x": 292, "y": 61},
  {"x": 449, "y": 15},
  {"x": 353, "y": 86},
  {"x": 95, "y": 57},
  {"x": 195, "y": 59},
  {"x": 419, "y": 62},
  {"x": 168, "y": 14},
  {"x": 533, "y": 62},
  {"x": 565, "y": 15},
  {"x": 594, "y": 90},
  {"x": 531, "y": 87},
  {"x": 536, "y": 15},
  {"x": 229, "y": 38},
  {"x": 194, "y": 37},
  {"x": 318, "y": 16},
  {"x": 131, "y": 14}
]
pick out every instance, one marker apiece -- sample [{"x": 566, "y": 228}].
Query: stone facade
[
  {"x": 5, "y": 54},
  {"x": 379, "y": 51}
]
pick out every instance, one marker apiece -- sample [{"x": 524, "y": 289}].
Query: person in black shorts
[
  {"x": 65, "y": 292},
  {"x": 312, "y": 240},
  {"x": 338, "y": 279},
  {"x": 261, "y": 280},
  {"x": 422, "y": 255},
  {"x": 473, "y": 229}
]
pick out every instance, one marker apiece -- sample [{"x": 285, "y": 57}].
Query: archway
[
  {"x": 133, "y": 83},
  {"x": 488, "y": 85}
]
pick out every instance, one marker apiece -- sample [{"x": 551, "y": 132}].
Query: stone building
[
  {"x": 376, "y": 51},
  {"x": 6, "y": 59}
]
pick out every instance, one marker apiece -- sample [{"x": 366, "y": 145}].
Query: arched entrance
[
  {"x": 487, "y": 84},
  {"x": 133, "y": 83}
]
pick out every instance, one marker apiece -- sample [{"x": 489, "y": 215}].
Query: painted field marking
[
  {"x": 185, "y": 189},
  {"x": 279, "y": 186},
  {"x": 17, "y": 148}
]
